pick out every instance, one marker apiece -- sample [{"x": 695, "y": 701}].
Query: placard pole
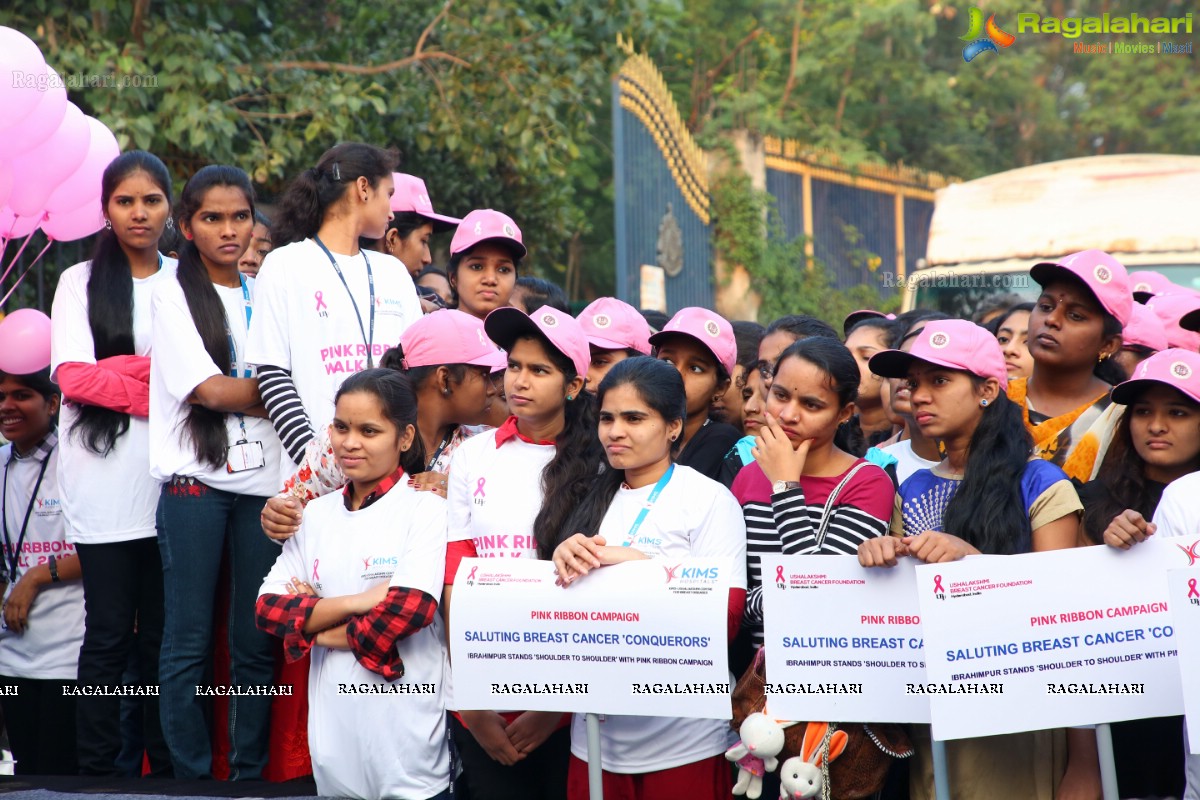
[
  {"x": 1108, "y": 763},
  {"x": 941, "y": 772},
  {"x": 595, "y": 768}
]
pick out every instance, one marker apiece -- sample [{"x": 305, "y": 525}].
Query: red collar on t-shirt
[
  {"x": 509, "y": 431},
  {"x": 379, "y": 491}
]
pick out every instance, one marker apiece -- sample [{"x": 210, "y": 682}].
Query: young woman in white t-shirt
[
  {"x": 213, "y": 447},
  {"x": 100, "y": 357},
  {"x": 358, "y": 586},
  {"x": 646, "y": 506},
  {"x": 509, "y": 492},
  {"x": 326, "y": 308},
  {"x": 43, "y": 598}
]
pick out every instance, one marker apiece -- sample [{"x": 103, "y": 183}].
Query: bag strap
[{"x": 827, "y": 512}]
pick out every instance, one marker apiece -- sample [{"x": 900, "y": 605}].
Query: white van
[{"x": 987, "y": 233}]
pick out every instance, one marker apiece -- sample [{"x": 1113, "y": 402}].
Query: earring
[
  {"x": 170, "y": 223},
  {"x": 983, "y": 403},
  {"x": 570, "y": 397},
  {"x": 108, "y": 224},
  {"x": 445, "y": 392}
]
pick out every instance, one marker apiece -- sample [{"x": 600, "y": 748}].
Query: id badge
[{"x": 244, "y": 456}]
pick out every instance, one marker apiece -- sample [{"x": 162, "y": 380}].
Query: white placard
[
  {"x": 646, "y": 638},
  {"x": 653, "y": 288},
  {"x": 1185, "y": 611},
  {"x": 843, "y": 642},
  {"x": 1050, "y": 640}
]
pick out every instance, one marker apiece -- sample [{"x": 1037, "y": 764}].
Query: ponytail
[{"x": 307, "y": 200}]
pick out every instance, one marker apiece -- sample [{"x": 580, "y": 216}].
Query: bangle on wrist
[{"x": 52, "y": 562}]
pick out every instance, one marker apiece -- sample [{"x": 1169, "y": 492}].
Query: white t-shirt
[
  {"x": 180, "y": 365},
  {"x": 49, "y": 647},
  {"x": 109, "y": 498},
  {"x": 494, "y": 494},
  {"x": 374, "y": 745},
  {"x": 305, "y": 322},
  {"x": 693, "y": 516},
  {"x": 907, "y": 462},
  {"x": 1178, "y": 513}
]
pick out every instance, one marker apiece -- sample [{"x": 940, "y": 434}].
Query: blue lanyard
[
  {"x": 233, "y": 370},
  {"x": 641, "y": 517},
  {"x": 367, "y": 340}
]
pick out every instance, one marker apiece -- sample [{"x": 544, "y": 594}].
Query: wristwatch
[
  {"x": 784, "y": 486},
  {"x": 53, "y": 565}
]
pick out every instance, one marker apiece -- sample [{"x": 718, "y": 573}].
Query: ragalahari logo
[{"x": 983, "y": 37}]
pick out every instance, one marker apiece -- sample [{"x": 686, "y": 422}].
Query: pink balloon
[
  {"x": 21, "y": 67},
  {"x": 84, "y": 183},
  {"x": 14, "y": 227},
  {"x": 6, "y": 181},
  {"x": 76, "y": 224},
  {"x": 24, "y": 342},
  {"x": 39, "y": 172},
  {"x": 43, "y": 121}
]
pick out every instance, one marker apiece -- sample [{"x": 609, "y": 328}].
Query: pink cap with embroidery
[
  {"x": 708, "y": 328},
  {"x": 448, "y": 336},
  {"x": 952, "y": 343},
  {"x": 412, "y": 196},
  {"x": 1145, "y": 329},
  {"x": 1101, "y": 273},
  {"x": 1171, "y": 310},
  {"x": 1176, "y": 367},
  {"x": 485, "y": 224},
  {"x": 611, "y": 324},
  {"x": 506, "y": 325},
  {"x": 1146, "y": 283}
]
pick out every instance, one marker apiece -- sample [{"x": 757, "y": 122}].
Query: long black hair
[
  {"x": 205, "y": 427},
  {"x": 988, "y": 510},
  {"x": 1122, "y": 474},
  {"x": 110, "y": 299},
  {"x": 399, "y": 402},
  {"x": 660, "y": 386},
  {"x": 577, "y": 457},
  {"x": 306, "y": 200}
]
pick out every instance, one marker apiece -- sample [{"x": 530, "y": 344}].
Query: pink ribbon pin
[
  {"x": 937, "y": 583},
  {"x": 479, "y": 492},
  {"x": 320, "y": 298},
  {"x": 779, "y": 574},
  {"x": 316, "y": 561},
  {"x": 1192, "y": 592}
]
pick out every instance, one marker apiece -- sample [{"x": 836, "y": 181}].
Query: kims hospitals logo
[{"x": 983, "y": 37}]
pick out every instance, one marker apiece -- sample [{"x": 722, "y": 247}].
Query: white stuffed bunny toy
[
  {"x": 800, "y": 777},
  {"x": 755, "y": 755}
]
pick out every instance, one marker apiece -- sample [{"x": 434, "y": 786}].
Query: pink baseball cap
[
  {"x": 612, "y": 324},
  {"x": 1146, "y": 283},
  {"x": 506, "y": 325},
  {"x": 1171, "y": 310},
  {"x": 952, "y": 343},
  {"x": 1176, "y": 367},
  {"x": 412, "y": 196},
  {"x": 855, "y": 317},
  {"x": 485, "y": 224},
  {"x": 1145, "y": 329},
  {"x": 448, "y": 336},
  {"x": 708, "y": 328},
  {"x": 1101, "y": 273}
]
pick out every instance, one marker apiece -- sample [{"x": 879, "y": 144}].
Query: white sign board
[
  {"x": 1184, "y": 594},
  {"x": 1050, "y": 640},
  {"x": 646, "y": 638},
  {"x": 843, "y": 642}
]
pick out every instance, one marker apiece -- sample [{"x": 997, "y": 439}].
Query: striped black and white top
[{"x": 787, "y": 522}]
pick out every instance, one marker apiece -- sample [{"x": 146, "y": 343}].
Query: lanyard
[
  {"x": 233, "y": 359},
  {"x": 14, "y": 553},
  {"x": 441, "y": 449},
  {"x": 368, "y": 340},
  {"x": 654, "y": 493}
]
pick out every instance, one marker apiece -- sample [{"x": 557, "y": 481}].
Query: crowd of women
[{"x": 262, "y": 449}]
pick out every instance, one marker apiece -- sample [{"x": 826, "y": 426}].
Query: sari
[{"x": 1075, "y": 441}]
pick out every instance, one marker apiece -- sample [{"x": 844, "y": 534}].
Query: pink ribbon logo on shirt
[
  {"x": 937, "y": 585},
  {"x": 779, "y": 575},
  {"x": 471, "y": 576},
  {"x": 316, "y": 562},
  {"x": 479, "y": 492},
  {"x": 1192, "y": 592},
  {"x": 319, "y": 296}
]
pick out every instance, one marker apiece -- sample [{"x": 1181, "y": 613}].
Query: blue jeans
[{"x": 196, "y": 526}]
